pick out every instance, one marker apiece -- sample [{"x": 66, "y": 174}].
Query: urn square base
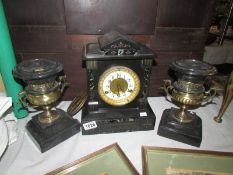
[
  {"x": 46, "y": 136},
  {"x": 189, "y": 133}
]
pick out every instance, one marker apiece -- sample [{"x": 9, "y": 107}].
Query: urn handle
[
  {"x": 23, "y": 99},
  {"x": 209, "y": 95},
  {"x": 168, "y": 88},
  {"x": 62, "y": 83}
]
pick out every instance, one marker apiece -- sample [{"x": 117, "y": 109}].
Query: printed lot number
[{"x": 90, "y": 125}]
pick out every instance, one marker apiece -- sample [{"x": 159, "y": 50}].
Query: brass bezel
[{"x": 126, "y": 100}]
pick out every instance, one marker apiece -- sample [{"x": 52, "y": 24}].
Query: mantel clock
[{"x": 118, "y": 74}]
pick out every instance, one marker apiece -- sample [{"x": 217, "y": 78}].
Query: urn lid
[
  {"x": 37, "y": 69},
  {"x": 193, "y": 67}
]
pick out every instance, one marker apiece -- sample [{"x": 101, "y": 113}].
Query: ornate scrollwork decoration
[
  {"x": 146, "y": 81},
  {"x": 91, "y": 85}
]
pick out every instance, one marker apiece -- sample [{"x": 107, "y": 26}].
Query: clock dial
[{"x": 118, "y": 86}]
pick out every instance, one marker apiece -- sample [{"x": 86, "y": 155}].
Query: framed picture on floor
[
  {"x": 110, "y": 160},
  {"x": 173, "y": 161}
]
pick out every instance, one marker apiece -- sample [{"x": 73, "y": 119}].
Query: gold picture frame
[
  {"x": 174, "y": 161},
  {"x": 110, "y": 160}
]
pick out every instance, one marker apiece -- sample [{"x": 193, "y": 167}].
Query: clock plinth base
[
  {"x": 189, "y": 133},
  {"x": 118, "y": 120},
  {"x": 47, "y": 136}
]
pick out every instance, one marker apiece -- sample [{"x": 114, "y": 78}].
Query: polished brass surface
[
  {"x": 227, "y": 98},
  {"x": 188, "y": 98},
  {"x": 185, "y": 99},
  {"x": 189, "y": 87},
  {"x": 48, "y": 116},
  {"x": 77, "y": 104},
  {"x": 118, "y": 86},
  {"x": 182, "y": 115},
  {"x": 41, "y": 88},
  {"x": 44, "y": 99},
  {"x": 44, "y": 95}
]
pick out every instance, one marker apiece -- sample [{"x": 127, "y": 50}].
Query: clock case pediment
[
  {"x": 113, "y": 43},
  {"x": 115, "y": 46},
  {"x": 114, "y": 49}
]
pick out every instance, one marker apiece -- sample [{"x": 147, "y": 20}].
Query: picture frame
[
  {"x": 175, "y": 161},
  {"x": 110, "y": 160}
]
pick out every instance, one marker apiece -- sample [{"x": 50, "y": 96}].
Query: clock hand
[
  {"x": 118, "y": 90},
  {"x": 121, "y": 89}
]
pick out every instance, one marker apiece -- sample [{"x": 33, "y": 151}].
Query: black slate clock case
[{"x": 114, "y": 49}]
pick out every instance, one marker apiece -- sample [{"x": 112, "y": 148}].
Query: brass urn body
[
  {"x": 195, "y": 97},
  {"x": 44, "y": 84},
  {"x": 187, "y": 91},
  {"x": 44, "y": 95}
]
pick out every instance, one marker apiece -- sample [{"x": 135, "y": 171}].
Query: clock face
[{"x": 118, "y": 86}]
